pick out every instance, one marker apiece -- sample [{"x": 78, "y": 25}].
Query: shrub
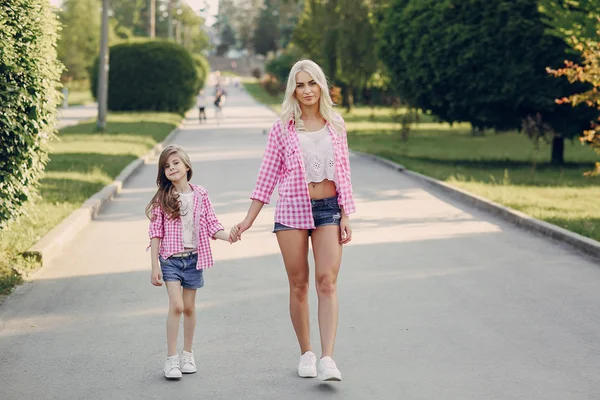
[
  {"x": 271, "y": 85},
  {"x": 256, "y": 72},
  {"x": 29, "y": 79},
  {"x": 202, "y": 69},
  {"x": 281, "y": 65},
  {"x": 152, "y": 75}
]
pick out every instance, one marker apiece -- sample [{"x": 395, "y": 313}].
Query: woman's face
[{"x": 307, "y": 90}]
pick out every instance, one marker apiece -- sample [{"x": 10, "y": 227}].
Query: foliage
[
  {"x": 281, "y": 65},
  {"x": 29, "y": 79},
  {"x": 202, "y": 69},
  {"x": 572, "y": 18},
  {"x": 266, "y": 34},
  {"x": 589, "y": 72},
  {"x": 80, "y": 37},
  {"x": 150, "y": 76},
  {"x": 459, "y": 60}
]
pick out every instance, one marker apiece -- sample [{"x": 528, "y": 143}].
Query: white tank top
[
  {"x": 188, "y": 229},
  {"x": 317, "y": 151}
]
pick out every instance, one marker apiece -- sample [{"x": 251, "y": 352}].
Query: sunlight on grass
[{"x": 81, "y": 163}]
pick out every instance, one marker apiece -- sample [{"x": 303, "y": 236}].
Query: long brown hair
[{"x": 165, "y": 196}]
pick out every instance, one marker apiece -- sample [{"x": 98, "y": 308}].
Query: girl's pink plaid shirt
[
  {"x": 283, "y": 164},
  {"x": 169, "y": 229}
]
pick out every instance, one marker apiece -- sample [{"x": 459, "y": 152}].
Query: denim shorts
[
  {"x": 325, "y": 212},
  {"x": 182, "y": 269}
]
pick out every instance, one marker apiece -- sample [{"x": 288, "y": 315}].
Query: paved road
[
  {"x": 438, "y": 300},
  {"x": 75, "y": 114}
]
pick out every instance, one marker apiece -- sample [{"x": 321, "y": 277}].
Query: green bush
[
  {"x": 202, "y": 69},
  {"x": 153, "y": 75},
  {"x": 29, "y": 79},
  {"x": 281, "y": 65}
]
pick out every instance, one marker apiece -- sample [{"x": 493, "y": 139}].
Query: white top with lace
[
  {"x": 190, "y": 239},
  {"x": 317, "y": 151}
]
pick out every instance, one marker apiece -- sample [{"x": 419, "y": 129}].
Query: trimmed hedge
[
  {"x": 154, "y": 75},
  {"x": 29, "y": 79},
  {"x": 203, "y": 69}
]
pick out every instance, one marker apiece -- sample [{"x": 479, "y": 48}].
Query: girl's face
[
  {"x": 175, "y": 169},
  {"x": 307, "y": 90}
]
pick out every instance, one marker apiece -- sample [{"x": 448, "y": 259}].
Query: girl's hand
[
  {"x": 156, "y": 277},
  {"x": 345, "y": 230}
]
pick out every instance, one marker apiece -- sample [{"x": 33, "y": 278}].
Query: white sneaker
[
  {"x": 188, "y": 364},
  {"x": 308, "y": 365},
  {"x": 171, "y": 369},
  {"x": 328, "y": 371}
]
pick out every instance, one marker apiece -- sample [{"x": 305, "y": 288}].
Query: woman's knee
[
  {"x": 299, "y": 286},
  {"x": 326, "y": 285}
]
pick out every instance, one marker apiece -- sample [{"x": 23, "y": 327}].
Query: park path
[{"x": 438, "y": 300}]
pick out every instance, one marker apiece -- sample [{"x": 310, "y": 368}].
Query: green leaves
[{"x": 29, "y": 74}]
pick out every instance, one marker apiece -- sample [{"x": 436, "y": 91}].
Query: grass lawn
[
  {"x": 499, "y": 166},
  {"x": 79, "y": 93},
  {"x": 81, "y": 163}
]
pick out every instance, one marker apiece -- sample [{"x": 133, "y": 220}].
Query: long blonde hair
[
  {"x": 291, "y": 107},
  {"x": 166, "y": 196}
]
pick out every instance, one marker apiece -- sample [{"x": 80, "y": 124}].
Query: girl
[
  {"x": 307, "y": 154},
  {"x": 181, "y": 222}
]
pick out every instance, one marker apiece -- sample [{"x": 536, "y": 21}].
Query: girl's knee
[
  {"x": 176, "y": 307},
  {"x": 189, "y": 310},
  {"x": 299, "y": 287}
]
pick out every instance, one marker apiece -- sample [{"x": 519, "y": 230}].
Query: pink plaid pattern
[
  {"x": 171, "y": 235},
  {"x": 283, "y": 164}
]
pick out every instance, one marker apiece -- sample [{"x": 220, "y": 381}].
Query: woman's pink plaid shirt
[
  {"x": 283, "y": 164},
  {"x": 169, "y": 229}
]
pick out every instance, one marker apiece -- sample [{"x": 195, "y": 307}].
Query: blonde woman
[{"x": 307, "y": 154}]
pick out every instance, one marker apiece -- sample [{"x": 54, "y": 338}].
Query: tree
[
  {"x": 266, "y": 35},
  {"x": 572, "y": 19},
  {"x": 128, "y": 15},
  {"x": 481, "y": 62},
  {"x": 589, "y": 72},
  {"x": 29, "y": 78},
  {"x": 80, "y": 37},
  {"x": 227, "y": 39}
]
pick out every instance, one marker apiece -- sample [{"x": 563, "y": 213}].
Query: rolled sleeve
[
  {"x": 270, "y": 168},
  {"x": 157, "y": 223},
  {"x": 212, "y": 223},
  {"x": 347, "y": 200}
]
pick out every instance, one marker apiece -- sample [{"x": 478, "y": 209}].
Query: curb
[
  {"x": 53, "y": 243},
  {"x": 575, "y": 240}
]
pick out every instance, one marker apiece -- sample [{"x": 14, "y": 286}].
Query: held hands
[
  {"x": 236, "y": 232},
  {"x": 345, "y": 230}
]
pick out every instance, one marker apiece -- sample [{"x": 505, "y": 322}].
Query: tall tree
[
  {"x": 266, "y": 35},
  {"x": 572, "y": 18},
  {"x": 80, "y": 37},
  {"x": 468, "y": 68}
]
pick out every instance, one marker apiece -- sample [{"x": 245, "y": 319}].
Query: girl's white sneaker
[
  {"x": 328, "y": 371},
  {"x": 188, "y": 364},
  {"x": 172, "y": 370},
  {"x": 308, "y": 365}
]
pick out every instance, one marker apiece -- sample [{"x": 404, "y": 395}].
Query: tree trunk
[
  {"x": 349, "y": 98},
  {"x": 558, "y": 150}
]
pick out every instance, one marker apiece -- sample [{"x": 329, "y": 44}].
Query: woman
[{"x": 307, "y": 154}]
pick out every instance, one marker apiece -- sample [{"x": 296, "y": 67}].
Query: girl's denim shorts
[
  {"x": 325, "y": 212},
  {"x": 182, "y": 269}
]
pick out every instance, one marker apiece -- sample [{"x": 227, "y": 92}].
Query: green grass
[
  {"x": 81, "y": 163},
  {"x": 503, "y": 167},
  {"x": 79, "y": 93}
]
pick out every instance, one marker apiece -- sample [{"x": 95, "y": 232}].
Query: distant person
[
  {"x": 182, "y": 222},
  {"x": 201, "y": 103},
  {"x": 307, "y": 157},
  {"x": 219, "y": 103}
]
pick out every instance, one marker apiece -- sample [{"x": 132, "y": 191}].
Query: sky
[{"x": 194, "y": 4}]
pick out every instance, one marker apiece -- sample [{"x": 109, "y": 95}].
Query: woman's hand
[
  {"x": 233, "y": 234},
  {"x": 242, "y": 227},
  {"x": 156, "y": 277},
  {"x": 345, "y": 230}
]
